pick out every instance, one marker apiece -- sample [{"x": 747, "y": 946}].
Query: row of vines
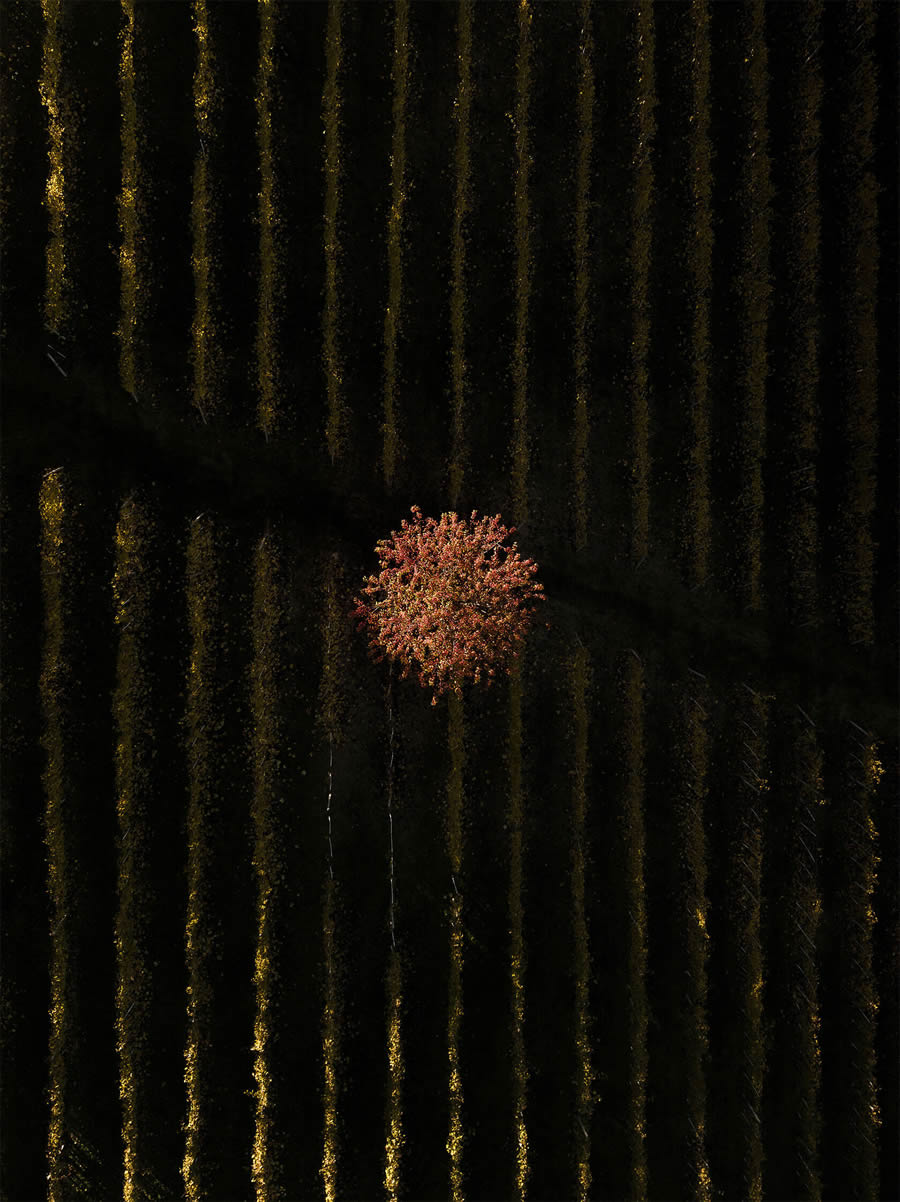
[
  {"x": 726, "y": 766},
  {"x": 621, "y": 925},
  {"x": 735, "y": 543}
]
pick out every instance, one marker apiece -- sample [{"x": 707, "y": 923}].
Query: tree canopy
[{"x": 451, "y": 600}]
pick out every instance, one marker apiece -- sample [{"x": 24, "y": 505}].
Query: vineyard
[{"x": 618, "y": 920}]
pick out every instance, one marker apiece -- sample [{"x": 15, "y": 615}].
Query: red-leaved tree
[{"x": 451, "y": 601}]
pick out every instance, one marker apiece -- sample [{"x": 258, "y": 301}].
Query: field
[{"x": 624, "y": 924}]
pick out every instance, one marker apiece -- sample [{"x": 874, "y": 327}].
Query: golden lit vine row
[
  {"x": 455, "y": 1135},
  {"x": 856, "y": 552},
  {"x": 57, "y": 286},
  {"x": 635, "y": 900},
  {"x": 692, "y": 743},
  {"x": 335, "y": 426},
  {"x": 55, "y": 685},
  {"x": 802, "y": 259},
  {"x": 524, "y": 266},
  {"x": 135, "y": 596},
  {"x": 856, "y": 840},
  {"x": 744, "y": 902},
  {"x": 640, "y": 246},
  {"x": 697, "y": 531},
  {"x": 268, "y": 741},
  {"x": 267, "y": 380},
  {"x": 330, "y": 1048},
  {"x": 395, "y": 237},
  {"x": 461, "y": 111},
  {"x": 517, "y": 941},
  {"x": 130, "y": 292},
  {"x": 584, "y": 1071},
  {"x": 73, "y": 1162},
  {"x": 202, "y": 935},
  {"x": 753, "y": 291},
  {"x": 804, "y": 911},
  {"x": 204, "y": 352},
  {"x": 395, "y": 1137},
  {"x": 330, "y": 718},
  {"x": 582, "y": 271}
]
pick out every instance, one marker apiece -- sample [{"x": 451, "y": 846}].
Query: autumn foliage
[{"x": 451, "y": 600}]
